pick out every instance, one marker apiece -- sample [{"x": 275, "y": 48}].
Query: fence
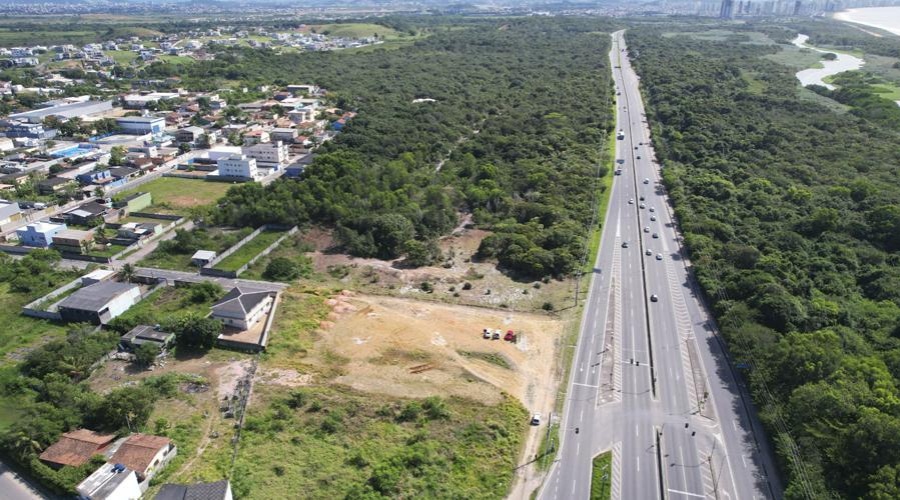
[
  {"x": 210, "y": 270},
  {"x": 35, "y": 310}
]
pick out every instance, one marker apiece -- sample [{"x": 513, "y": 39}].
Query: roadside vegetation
[
  {"x": 601, "y": 476},
  {"x": 791, "y": 213}
]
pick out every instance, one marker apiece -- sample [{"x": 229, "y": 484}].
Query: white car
[
  {"x": 631, "y": 201},
  {"x": 659, "y": 256},
  {"x": 648, "y": 252},
  {"x": 653, "y": 209},
  {"x": 652, "y": 218},
  {"x": 646, "y": 181},
  {"x": 646, "y": 229},
  {"x": 536, "y": 419}
]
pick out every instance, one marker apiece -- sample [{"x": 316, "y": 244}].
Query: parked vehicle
[{"x": 510, "y": 336}]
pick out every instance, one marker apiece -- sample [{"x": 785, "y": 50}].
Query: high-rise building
[{"x": 727, "y": 9}]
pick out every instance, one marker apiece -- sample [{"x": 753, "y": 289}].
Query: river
[{"x": 815, "y": 76}]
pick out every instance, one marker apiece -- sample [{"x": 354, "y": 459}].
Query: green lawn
[
  {"x": 600, "y": 474},
  {"x": 163, "y": 303},
  {"x": 123, "y": 57},
  {"x": 887, "y": 90},
  {"x": 243, "y": 255},
  {"x": 181, "y": 194},
  {"x": 357, "y": 30},
  {"x": 108, "y": 251},
  {"x": 177, "y": 59},
  {"x": 21, "y": 331}
]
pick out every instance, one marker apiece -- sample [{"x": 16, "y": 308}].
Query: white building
[
  {"x": 110, "y": 482},
  {"x": 268, "y": 155},
  {"x": 242, "y": 309},
  {"x": 239, "y": 166},
  {"x": 140, "y": 125}
]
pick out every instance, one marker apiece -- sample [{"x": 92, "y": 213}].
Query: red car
[{"x": 510, "y": 336}]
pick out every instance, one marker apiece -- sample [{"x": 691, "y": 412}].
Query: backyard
[{"x": 176, "y": 253}]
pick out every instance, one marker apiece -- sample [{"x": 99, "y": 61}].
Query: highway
[{"x": 650, "y": 380}]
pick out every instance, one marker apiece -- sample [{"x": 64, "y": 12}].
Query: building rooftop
[
  {"x": 204, "y": 255},
  {"x": 95, "y": 297},
  {"x": 239, "y": 302},
  {"x": 44, "y": 227},
  {"x": 74, "y": 234},
  {"x": 66, "y": 110},
  {"x": 76, "y": 447},
  {"x": 145, "y": 333},
  {"x": 139, "y": 119},
  {"x": 138, "y": 450},
  {"x": 104, "y": 481}
]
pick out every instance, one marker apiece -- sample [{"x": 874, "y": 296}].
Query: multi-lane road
[{"x": 650, "y": 381}]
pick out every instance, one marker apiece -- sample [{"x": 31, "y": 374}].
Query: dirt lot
[{"x": 487, "y": 285}]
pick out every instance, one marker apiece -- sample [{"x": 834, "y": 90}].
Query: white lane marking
[
  {"x": 734, "y": 424},
  {"x": 744, "y": 460},
  {"x": 638, "y": 460},
  {"x": 637, "y": 431},
  {"x": 585, "y": 385},
  {"x": 686, "y": 493}
]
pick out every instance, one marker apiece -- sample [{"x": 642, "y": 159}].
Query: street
[{"x": 650, "y": 381}]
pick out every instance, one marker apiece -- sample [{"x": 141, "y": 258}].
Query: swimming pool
[{"x": 71, "y": 151}]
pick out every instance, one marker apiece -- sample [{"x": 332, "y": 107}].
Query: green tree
[
  {"x": 145, "y": 354},
  {"x": 282, "y": 269},
  {"x": 196, "y": 331}
]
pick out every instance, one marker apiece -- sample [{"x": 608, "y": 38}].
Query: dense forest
[
  {"x": 791, "y": 213},
  {"x": 514, "y": 135}
]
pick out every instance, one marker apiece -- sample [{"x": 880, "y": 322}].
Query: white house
[
  {"x": 202, "y": 257},
  {"x": 243, "y": 308},
  {"x": 268, "y": 155},
  {"x": 239, "y": 166},
  {"x": 110, "y": 482}
]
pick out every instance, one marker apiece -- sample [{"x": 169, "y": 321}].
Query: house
[
  {"x": 73, "y": 241},
  {"x": 202, "y": 257},
  {"x": 256, "y": 137},
  {"x": 242, "y": 308},
  {"x": 76, "y": 448},
  {"x": 145, "y": 454},
  {"x": 30, "y": 130},
  {"x": 219, "y": 490},
  {"x": 9, "y": 212},
  {"x": 286, "y": 135},
  {"x": 87, "y": 214},
  {"x": 134, "y": 202},
  {"x": 95, "y": 177},
  {"x": 189, "y": 134},
  {"x": 138, "y": 230},
  {"x": 110, "y": 482},
  {"x": 145, "y": 334},
  {"x": 39, "y": 234},
  {"x": 54, "y": 185},
  {"x": 238, "y": 166},
  {"x": 140, "y": 125},
  {"x": 123, "y": 172},
  {"x": 100, "y": 302},
  {"x": 303, "y": 89}
]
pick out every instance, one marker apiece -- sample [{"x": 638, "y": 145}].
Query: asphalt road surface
[{"x": 650, "y": 380}]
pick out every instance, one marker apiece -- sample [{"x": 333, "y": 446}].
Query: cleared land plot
[
  {"x": 21, "y": 332},
  {"x": 243, "y": 255},
  {"x": 357, "y": 30},
  {"x": 180, "y": 194},
  {"x": 165, "y": 257}
]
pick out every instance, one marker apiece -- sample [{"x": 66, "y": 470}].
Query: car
[
  {"x": 486, "y": 334},
  {"x": 656, "y": 235},
  {"x": 620, "y": 161},
  {"x": 641, "y": 143},
  {"x": 643, "y": 206},
  {"x": 624, "y": 244},
  {"x": 618, "y": 171},
  {"x": 642, "y": 198},
  {"x": 618, "y": 93},
  {"x": 510, "y": 336},
  {"x": 646, "y": 229},
  {"x": 652, "y": 218},
  {"x": 631, "y": 201},
  {"x": 659, "y": 256},
  {"x": 653, "y": 209},
  {"x": 496, "y": 335},
  {"x": 654, "y": 298},
  {"x": 648, "y": 252},
  {"x": 635, "y": 147},
  {"x": 646, "y": 181},
  {"x": 638, "y": 157},
  {"x": 536, "y": 419}
]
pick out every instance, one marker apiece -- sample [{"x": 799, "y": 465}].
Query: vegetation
[
  {"x": 380, "y": 447},
  {"x": 53, "y": 398},
  {"x": 168, "y": 305},
  {"x": 176, "y": 253},
  {"x": 601, "y": 476},
  {"x": 181, "y": 194},
  {"x": 792, "y": 214},
  {"x": 249, "y": 250},
  {"x": 499, "y": 141}
]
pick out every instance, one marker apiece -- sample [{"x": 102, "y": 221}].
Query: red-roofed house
[
  {"x": 76, "y": 448},
  {"x": 145, "y": 454}
]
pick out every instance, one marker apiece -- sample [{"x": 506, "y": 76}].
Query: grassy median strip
[{"x": 600, "y": 474}]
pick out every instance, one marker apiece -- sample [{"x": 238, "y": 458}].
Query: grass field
[
  {"x": 243, "y": 255},
  {"x": 21, "y": 331},
  {"x": 123, "y": 57},
  {"x": 600, "y": 474},
  {"x": 887, "y": 90},
  {"x": 165, "y": 302},
  {"x": 177, "y": 59},
  {"x": 180, "y": 194},
  {"x": 357, "y": 30}
]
